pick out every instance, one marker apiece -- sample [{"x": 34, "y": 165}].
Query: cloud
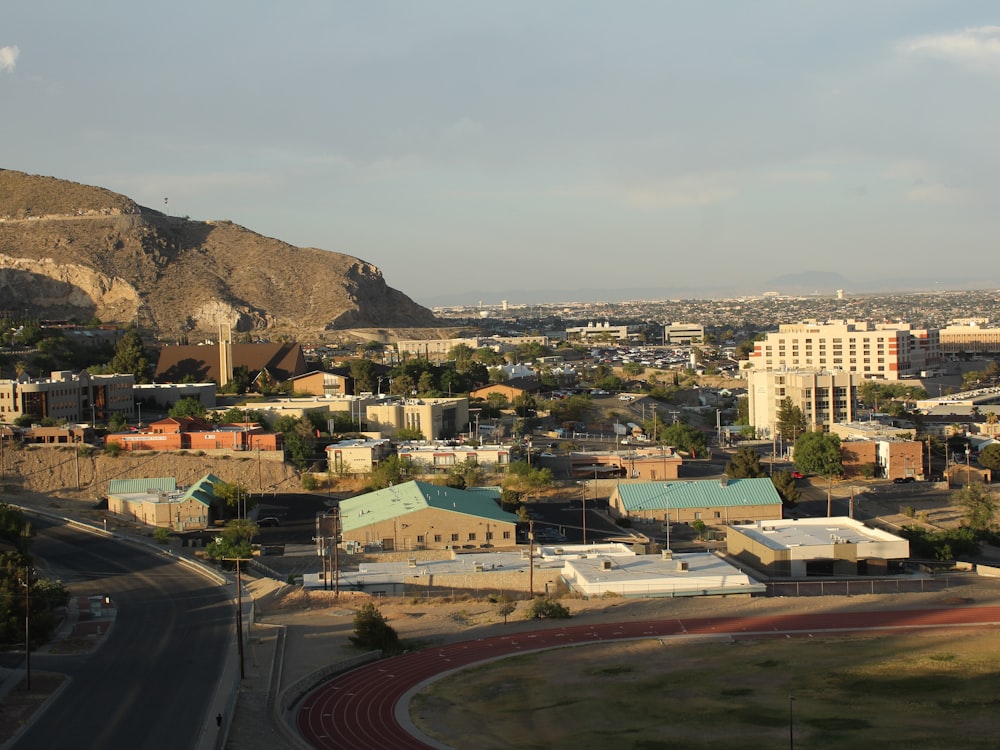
[
  {"x": 8, "y": 57},
  {"x": 935, "y": 193},
  {"x": 684, "y": 191},
  {"x": 975, "y": 48}
]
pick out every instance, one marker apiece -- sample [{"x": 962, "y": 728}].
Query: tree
[
  {"x": 979, "y": 506},
  {"x": 526, "y": 479},
  {"x": 187, "y": 407},
  {"x": 371, "y": 631},
  {"x": 117, "y": 422},
  {"x": 299, "y": 437},
  {"x": 745, "y": 464},
  {"x": 232, "y": 496},
  {"x": 130, "y": 356},
  {"x": 505, "y": 607},
  {"x": 363, "y": 373},
  {"x": 402, "y": 385},
  {"x": 819, "y": 453},
  {"x": 989, "y": 457},
  {"x": 542, "y": 608},
  {"x": 392, "y": 470},
  {"x": 466, "y": 474},
  {"x": 14, "y": 529},
  {"x": 461, "y": 355},
  {"x": 234, "y": 541},
  {"x": 784, "y": 485},
  {"x": 684, "y": 437},
  {"x": 791, "y": 422}
]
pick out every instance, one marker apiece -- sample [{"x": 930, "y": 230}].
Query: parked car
[
  {"x": 903, "y": 480},
  {"x": 268, "y": 521},
  {"x": 798, "y": 475}
]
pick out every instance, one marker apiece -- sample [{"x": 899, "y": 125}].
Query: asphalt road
[{"x": 150, "y": 682}]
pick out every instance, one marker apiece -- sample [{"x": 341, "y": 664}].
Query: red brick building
[{"x": 191, "y": 433}]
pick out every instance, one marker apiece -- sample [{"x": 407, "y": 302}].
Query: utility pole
[
  {"x": 239, "y": 609},
  {"x": 531, "y": 558}
]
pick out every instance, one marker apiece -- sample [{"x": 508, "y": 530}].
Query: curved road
[
  {"x": 362, "y": 709},
  {"x": 149, "y": 683}
]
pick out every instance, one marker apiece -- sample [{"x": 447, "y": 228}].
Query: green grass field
[{"x": 915, "y": 690}]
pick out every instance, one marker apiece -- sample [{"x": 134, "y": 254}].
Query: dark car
[
  {"x": 903, "y": 480},
  {"x": 268, "y": 521}
]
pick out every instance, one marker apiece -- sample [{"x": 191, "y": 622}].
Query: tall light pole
[
  {"x": 791, "y": 722},
  {"x": 139, "y": 407},
  {"x": 583, "y": 506},
  {"x": 239, "y": 610},
  {"x": 27, "y": 628}
]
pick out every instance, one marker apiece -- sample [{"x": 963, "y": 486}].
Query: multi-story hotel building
[{"x": 887, "y": 351}]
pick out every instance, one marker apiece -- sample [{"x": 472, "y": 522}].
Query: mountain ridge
[{"x": 73, "y": 251}]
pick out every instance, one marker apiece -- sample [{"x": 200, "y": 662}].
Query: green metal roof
[
  {"x": 202, "y": 490},
  {"x": 135, "y": 486},
  {"x": 704, "y": 493},
  {"x": 397, "y": 501}
]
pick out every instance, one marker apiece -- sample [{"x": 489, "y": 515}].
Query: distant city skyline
[{"x": 535, "y": 151}]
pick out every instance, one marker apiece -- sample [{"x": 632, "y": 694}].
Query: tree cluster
[{"x": 371, "y": 631}]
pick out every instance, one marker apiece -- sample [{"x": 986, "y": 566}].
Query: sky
[{"x": 538, "y": 147}]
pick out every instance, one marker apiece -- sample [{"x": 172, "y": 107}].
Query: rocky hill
[{"x": 72, "y": 251}]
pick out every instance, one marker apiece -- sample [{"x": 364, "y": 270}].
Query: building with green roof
[
  {"x": 159, "y": 502},
  {"x": 417, "y": 515},
  {"x": 716, "y": 502}
]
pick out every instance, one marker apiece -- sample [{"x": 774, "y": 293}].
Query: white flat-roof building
[
  {"x": 592, "y": 570},
  {"x": 816, "y": 546}
]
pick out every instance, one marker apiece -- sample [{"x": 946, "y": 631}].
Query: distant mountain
[{"x": 71, "y": 251}]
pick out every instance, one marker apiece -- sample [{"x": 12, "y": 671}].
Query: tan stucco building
[
  {"x": 434, "y": 418},
  {"x": 417, "y": 515},
  {"x": 816, "y": 546},
  {"x": 65, "y": 395},
  {"x": 825, "y": 397}
]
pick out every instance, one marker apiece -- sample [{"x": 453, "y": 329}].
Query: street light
[
  {"x": 27, "y": 629},
  {"x": 791, "y": 722},
  {"x": 139, "y": 407}
]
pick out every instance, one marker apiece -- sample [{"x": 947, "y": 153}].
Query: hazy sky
[{"x": 533, "y": 145}]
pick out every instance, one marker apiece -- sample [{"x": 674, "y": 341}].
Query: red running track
[{"x": 357, "y": 710}]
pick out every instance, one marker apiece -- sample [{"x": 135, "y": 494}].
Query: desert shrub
[{"x": 549, "y": 609}]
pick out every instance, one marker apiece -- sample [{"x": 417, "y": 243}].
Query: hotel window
[
  {"x": 454, "y": 537},
  {"x": 437, "y": 538},
  {"x": 472, "y": 536},
  {"x": 506, "y": 535}
]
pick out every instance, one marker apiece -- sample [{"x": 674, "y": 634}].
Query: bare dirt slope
[{"x": 68, "y": 473}]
